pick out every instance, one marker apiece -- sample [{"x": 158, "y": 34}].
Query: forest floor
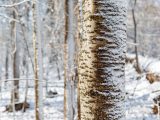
[
  {"x": 139, "y": 95},
  {"x": 52, "y": 104},
  {"x": 139, "y": 91}
]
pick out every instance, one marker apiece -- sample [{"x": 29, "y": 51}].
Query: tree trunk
[
  {"x": 40, "y": 58},
  {"x": 102, "y": 60},
  {"x": 37, "y": 62},
  {"x": 71, "y": 50},
  {"x": 65, "y": 58},
  {"x": 79, "y": 37},
  {"x": 6, "y": 65},
  {"x": 138, "y": 69},
  {"x": 16, "y": 75},
  {"x": 58, "y": 69},
  {"x": 16, "y": 61},
  {"x": 26, "y": 87}
]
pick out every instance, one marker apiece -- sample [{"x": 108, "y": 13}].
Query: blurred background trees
[
  {"x": 17, "y": 54},
  {"x": 147, "y": 19}
]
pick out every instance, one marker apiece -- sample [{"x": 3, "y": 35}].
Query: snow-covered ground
[
  {"x": 139, "y": 96},
  {"x": 139, "y": 92},
  {"x": 53, "y": 106}
]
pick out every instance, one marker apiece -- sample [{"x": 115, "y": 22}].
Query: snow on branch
[{"x": 15, "y": 4}]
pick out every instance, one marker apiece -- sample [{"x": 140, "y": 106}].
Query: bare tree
[{"x": 138, "y": 69}]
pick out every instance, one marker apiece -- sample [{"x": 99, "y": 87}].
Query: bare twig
[
  {"x": 155, "y": 91},
  {"x": 15, "y": 20},
  {"x": 15, "y": 4}
]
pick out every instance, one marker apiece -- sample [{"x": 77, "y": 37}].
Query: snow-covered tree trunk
[
  {"x": 40, "y": 57},
  {"x": 16, "y": 60},
  {"x": 102, "y": 60},
  {"x": 37, "y": 62}
]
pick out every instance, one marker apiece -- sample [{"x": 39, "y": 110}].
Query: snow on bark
[
  {"x": 37, "y": 62},
  {"x": 102, "y": 60},
  {"x": 40, "y": 59}
]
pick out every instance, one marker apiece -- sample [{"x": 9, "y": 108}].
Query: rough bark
[
  {"x": 79, "y": 24},
  {"x": 102, "y": 60}
]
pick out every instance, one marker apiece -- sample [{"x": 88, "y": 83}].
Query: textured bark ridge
[{"x": 102, "y": 60}]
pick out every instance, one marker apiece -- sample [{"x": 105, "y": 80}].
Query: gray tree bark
[
  {"x": 102, "y": 60},
  {"x": 16, "y": 61},
  {"x": 38, "y": 72},
  {"x": 65, "y": 57},
  {"x": 138, "y": 69},
  {"x": 6, "y": 64}
]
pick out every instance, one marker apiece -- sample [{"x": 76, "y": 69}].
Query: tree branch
[
  {"x": 15, "y": 20},
  {"x": 15, "y": 4}
]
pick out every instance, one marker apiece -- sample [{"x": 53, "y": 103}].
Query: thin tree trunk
[
  {"x": 26, "y": 91},
  {"x": 71, "y": 50},
  {"x": 138, "y": 69},
  {"x": 37, "y": 66},
  {"x": 80, "y": 23},
  {"x": 16, "y": 75},
  {"x": 102, "y": 60},
  {"x": 15, "y": 61},
  {"x": 65, "y": 58},
  {"x": 40, "y": 58},
  {"x": 6, "y": 66},
  {"x": 72, "y": 101},
  {"x": 58, "y": 70}
]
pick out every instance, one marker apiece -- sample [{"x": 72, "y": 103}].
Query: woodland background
[{"x": 16, "y": 61}]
